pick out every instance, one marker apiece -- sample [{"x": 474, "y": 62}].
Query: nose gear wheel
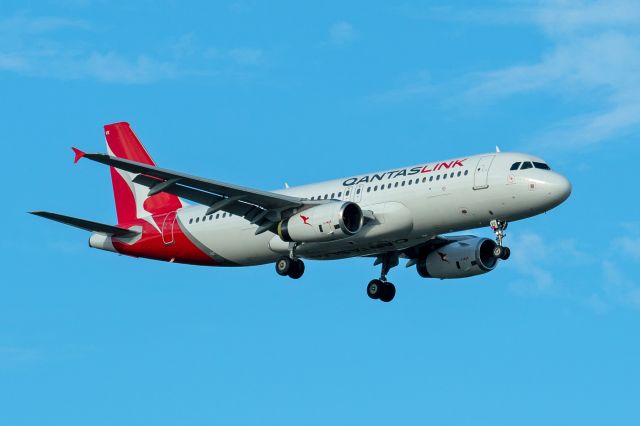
[{"x": 498, "y": 227}]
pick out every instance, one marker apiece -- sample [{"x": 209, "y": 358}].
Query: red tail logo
[{"x": 132, "y": 200}]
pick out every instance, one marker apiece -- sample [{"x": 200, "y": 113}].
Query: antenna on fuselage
[
  {"x": 286, "y": 185},
  {"x": 497, "y": 148}
]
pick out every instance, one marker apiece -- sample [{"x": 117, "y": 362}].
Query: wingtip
[{"x": 79, "y": 154}]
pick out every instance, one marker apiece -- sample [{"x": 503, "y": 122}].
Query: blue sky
[{"x": 260, "y": 94}]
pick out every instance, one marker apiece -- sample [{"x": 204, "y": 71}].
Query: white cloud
[
  {"x": 618, "y": 286},
  {"x": 30, "y": 46},
  {"x": 530, "y": 257},
  {"x": 596, "y": 304},
  {"x": 628, "y": 246},
  {"x": 9, "y": 62},
  {"x": 535, "y": 257},
  {"x": 563, "y": 16},
  {"x": 112, "y": 68},
  {"x": 24, "y": 24},
  {"x": 595, "y": 53},
  {"x": 341, "y": 33},
  {"x": 246, "y": 56},
  {"x": 416, "y": 86},
  {"x": 11, "y": 357}
]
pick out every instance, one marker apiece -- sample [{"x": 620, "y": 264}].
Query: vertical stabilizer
[{"x": 132, "y": 200}]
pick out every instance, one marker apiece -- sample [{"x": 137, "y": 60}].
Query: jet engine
[
  {"x": 459, "y": 259},
  {"x": 325, "y": 222}
]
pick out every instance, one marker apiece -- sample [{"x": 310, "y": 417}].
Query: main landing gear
[
  {"x": 381, "y": 288},
  {"x": 498, "y": 227},
  {"x": 290, "y": 265}
]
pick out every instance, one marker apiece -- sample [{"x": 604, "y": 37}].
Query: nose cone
[{"x": 558, "y": 189}]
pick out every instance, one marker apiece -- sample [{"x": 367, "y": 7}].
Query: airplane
[{"x": 389, "y": 215}]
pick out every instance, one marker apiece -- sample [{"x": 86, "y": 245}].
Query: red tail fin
[{"x": 131, "y": 199}]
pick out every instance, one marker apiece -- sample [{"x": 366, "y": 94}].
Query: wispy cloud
[
  {"x": 618, "y": 286},
  {"x": 22, "y": 23},
  {"x": 628, "y": 246},
  {"x": 33, "y": 47},
  {"x": 411, "y": 87},
  {"x": 537, "y": 260},
  {"x": 534, "y": 257},
  {"x": 11, "y": 357},
  {"x": 341, "y": 33},
  {"x": 596, "y": 52},
  {"x": 246, "y": 56}
]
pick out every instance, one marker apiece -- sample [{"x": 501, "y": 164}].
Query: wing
[{"x": 262, "y": 208}]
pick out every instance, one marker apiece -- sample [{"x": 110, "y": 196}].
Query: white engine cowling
[
  {"x": 459, "y": 259},
  {"x": 326, "y": 222}
]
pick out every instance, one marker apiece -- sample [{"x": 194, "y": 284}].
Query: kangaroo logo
[
  {"x": 443, "y": 256},
  {"x": 305, "y": 219}
]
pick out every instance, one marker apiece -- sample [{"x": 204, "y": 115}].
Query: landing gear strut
[
  {"x": 381, "y": 288},
  {"x": 498, "y": 227},
  {"x": 290, "y": 265}
]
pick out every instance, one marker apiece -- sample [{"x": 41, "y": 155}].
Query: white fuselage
[{"x": 407, "y": 206}]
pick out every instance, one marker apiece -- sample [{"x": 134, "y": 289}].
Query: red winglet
[{"x": 79, "y": 154}]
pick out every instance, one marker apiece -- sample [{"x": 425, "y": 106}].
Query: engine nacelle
[
  {"x": 459, "y": 259},
  {"x": 326, "y": 222}
]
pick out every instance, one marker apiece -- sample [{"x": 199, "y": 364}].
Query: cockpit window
[
  {"x": 515, "y": 166},
  {"x": 526, "y": 165},
  {"x": 542, "y": 166}
]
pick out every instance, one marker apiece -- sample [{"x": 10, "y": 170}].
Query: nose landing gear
[{"x": 498, "y": 227}]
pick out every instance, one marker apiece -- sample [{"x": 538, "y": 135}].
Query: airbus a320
[{"x": 388, "y": 215}]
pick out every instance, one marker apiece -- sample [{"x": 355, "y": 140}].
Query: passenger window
[
  {"x": 211, "y": 218},
  {"x": 451, "y": 174},
  {"x": 542, "y": 166},
  {"x": 218, "y": 216},
  {"x": 402, "y": 184},
  {"x": 197, "y": 219},
  {"x": 190, "y": 221},
  {"x": 375, "y": 188},
  {"x": 347, "y": 194},
  {"x": 526, "y": 165},
  {"x": 311, "y": 198},
  {"x": 459, "y": 173},
  {"x": 381, "y": 187},
  {"x": 369, "y": 189},
  {"x": 466, "y": 172},
  {"x": 396, "y": 185},
  {"x": 438, "y": 177},
  {"x": 333, "y": 194},
  {"x": 430, "y": 178},
  {"x": 224, "y": 215},
  {"x": 339, "y": 194},
  {"x": 424, "y": 179},
  {"x": 515, "y": 166},
  {"x": 444, "y": 176},
  {"x": 326, "y": 196},
  {"x": 410, "y": 182}
]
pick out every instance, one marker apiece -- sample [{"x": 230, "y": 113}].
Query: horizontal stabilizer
[{"x": 88, "y": 225}]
